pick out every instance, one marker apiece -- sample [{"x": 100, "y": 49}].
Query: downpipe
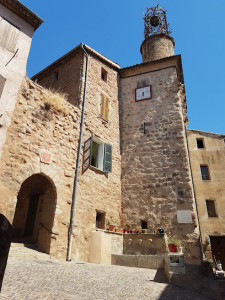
[{"x": 78, "y": 161}]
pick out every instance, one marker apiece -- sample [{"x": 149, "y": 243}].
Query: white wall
[{"x": 14, "y": 70}]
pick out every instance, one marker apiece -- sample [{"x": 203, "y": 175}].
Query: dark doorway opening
[
  {"x": 35, "y": 211},
  {"x": 100, "y": 219},
  {"x": 31, "y": 215},
  {"x": 144, "y": 224},
  {"x": 218, "y": 248}
]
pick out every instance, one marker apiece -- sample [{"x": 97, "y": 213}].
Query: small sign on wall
[
  {"x": 143, "y": 93},
  {"x": 46, "y": 157},
  {"x": 184, "y": 216}
]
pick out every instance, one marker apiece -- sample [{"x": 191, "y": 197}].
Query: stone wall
[
  {"x": 156, "y": 177},
  {"x": 97, "y": 190},
  {"x": 35, "y": 128},
  {"x": 38, "y": 126},
  {"x": 144, "y": 244},
  {"x": 65, "y": 77}
]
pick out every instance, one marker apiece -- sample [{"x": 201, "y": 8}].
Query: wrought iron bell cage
[{"x": 155, "y": 21}]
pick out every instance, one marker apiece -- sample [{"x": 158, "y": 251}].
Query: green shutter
[{"x": 107, "y": 158}]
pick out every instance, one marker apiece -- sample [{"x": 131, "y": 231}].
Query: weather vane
[{"x": 155, "y": 21}]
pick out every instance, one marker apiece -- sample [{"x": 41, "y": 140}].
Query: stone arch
[{"x": 35, "y": 211}]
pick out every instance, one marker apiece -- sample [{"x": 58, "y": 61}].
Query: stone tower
[{"x": 157, "y": 188}]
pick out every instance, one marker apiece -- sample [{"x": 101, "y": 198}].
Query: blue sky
[{"x": 116, "y": 29}]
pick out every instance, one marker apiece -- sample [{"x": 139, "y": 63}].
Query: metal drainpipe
[{"x": 78, "y": 161}]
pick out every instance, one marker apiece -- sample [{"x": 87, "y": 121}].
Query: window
[
  {"x": 211, "y": 210},
  {"x": 144, "y": 224},
  {"x": 104, "y": 75},
  {"x": 200, "y": 143},
  {"x": 8, "y": 35},
  {"x": 205, "y": 172},
  {"x": 55, "y": 76},
  {"x": 100, "y": 219},
  {"x": 2, "y": 83},
  {"x": 98, "y": 155},
  {"x": 104, "y": 108}
]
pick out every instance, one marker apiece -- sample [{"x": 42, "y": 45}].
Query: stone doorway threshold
[{"x": 26, "y": 251}]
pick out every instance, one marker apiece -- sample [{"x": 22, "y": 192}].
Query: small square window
[
  {"x": 205, "y": 172},
  {"x": 200, "y": 143},
  {"x": 144, "y": 224},
  {"x": 211, "y": 210},
  {"x": 100, "y": 219},
  {"x": 104, "y": 75}
]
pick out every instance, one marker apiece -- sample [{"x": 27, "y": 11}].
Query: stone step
[
  {"x": 28, "y": 251},
  {"x": 138, "y": 261}
]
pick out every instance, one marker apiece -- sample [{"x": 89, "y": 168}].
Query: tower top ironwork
[{"x": 155, "y": 21}]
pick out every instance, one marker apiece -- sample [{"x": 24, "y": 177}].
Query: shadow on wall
[
  {"x": 35, "y": 212},
  {"x": 6, "y": 231}
]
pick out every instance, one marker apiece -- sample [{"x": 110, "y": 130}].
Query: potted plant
[
  {"x": 173, "y": 244},
  {"x": 138, "y": 229},
  {"x": 112, "y": 223}
]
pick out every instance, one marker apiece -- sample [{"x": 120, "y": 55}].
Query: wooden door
[{"x": 31, "y": 215}]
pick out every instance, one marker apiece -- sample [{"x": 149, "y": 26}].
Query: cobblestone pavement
[{"x": 42, "y": 278}]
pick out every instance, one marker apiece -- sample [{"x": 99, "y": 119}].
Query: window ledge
[{"x": 98, "y": 170}]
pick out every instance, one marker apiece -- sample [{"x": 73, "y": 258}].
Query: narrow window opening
[
  {"x": 144, "y": 224},
  {"x": 100, "y": 219},
  {"x": 200, "y": 143},
  {"x": 211, "y": 209},
  {"x": 205, "y": 172},
  {"x": 55, "y": 76},
  {"x": 104, "y": 75}
]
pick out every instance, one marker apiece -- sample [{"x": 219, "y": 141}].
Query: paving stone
[{"x": 43, "y": 279}]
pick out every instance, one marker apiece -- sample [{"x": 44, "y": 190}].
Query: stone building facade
[
  {"x": 207, "y": 153},
  {"x": 131, "y": 127}
]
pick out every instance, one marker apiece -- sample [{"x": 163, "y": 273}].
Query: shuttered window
[
  {"x": 108, "y": 158},
  {"x": 97, "y": 154},
  {"x": 2, "y": 83},
  {"x": 8, "y": 35},
  {"x": 104, "y": 110}
]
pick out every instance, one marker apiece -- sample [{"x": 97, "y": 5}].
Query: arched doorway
[{"x": 35, "y": 211}]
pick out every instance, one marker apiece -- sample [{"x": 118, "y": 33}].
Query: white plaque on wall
[
  {"x": 143, "y": 93},
  {"x": 184, "y": 216}
]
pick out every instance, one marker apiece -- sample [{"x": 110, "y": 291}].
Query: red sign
[{"x": 46, "y": 158}]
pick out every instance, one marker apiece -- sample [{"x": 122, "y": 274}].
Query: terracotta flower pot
[
  {"x": 172, "y": 248},
  {"x": 112, "y": 227}
]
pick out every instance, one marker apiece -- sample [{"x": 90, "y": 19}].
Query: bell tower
[
  {"x": 157, "y": 43},
  {"x": 157, "y": 187}
]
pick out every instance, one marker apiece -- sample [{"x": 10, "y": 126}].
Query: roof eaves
[
  {"x": 71, "y": 53},
  {"x": 207, "y": 133},
  {"x": 24, "y": 12},
  {"x": 177, "y": 57}
]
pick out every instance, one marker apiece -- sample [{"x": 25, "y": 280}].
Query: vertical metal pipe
[{"x": 78, "y": 161}]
